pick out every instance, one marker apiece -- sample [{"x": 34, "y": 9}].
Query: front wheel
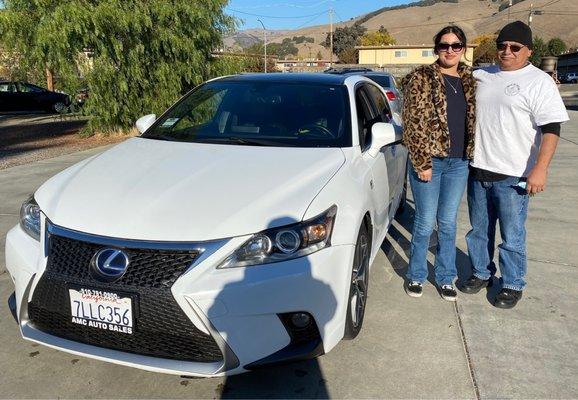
[
  {"x": 359, "y": 283},
  {"x": 58, "y": 107}
]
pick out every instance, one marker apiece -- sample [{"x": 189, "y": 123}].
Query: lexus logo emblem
[{"x": 109, "y": 264}]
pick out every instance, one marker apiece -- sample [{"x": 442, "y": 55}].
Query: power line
[
  {"x": 277, "y": 16},
  {"x": 311, "y": 20},
  {"x": 276, "y": 5},
  {"x": 550, "y": 3}
]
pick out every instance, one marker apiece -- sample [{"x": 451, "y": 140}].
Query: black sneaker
[
  {"x": 414, "y": 289},
  {"x": 448, "y": 292},
  {"x": 474, "y": 284},
  {"x": 507, "y": 298}
]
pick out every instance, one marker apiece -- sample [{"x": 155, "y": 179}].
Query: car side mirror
[
  {"x": 382, "y": 134},
  {"x": 143, "y": 123}
]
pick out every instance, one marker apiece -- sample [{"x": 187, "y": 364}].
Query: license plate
[{"x": 101, "y": 310}]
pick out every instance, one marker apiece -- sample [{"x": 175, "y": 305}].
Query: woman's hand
[{"x": 425, "y": 175}]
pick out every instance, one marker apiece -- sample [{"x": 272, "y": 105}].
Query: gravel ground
[{"x": 26, "y": 138}]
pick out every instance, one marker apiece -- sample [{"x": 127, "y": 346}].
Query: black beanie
[{"x": 516, "y": 32}]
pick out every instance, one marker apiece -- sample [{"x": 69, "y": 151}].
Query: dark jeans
[
  {"x": 437, "y": 200},
  {"x": 503, "y": 202}
]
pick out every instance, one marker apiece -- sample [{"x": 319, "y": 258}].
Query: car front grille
[{"x": 161, "y": 328}]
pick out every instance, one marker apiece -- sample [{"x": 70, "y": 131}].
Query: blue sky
[{"x": 293, "y": 14}]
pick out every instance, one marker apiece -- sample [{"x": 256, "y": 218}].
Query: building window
[
  {"x": 427, "y": 53},
  {"x": 400, "y": 53}
]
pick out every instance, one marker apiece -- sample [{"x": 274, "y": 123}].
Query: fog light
[{"x": 300, "y": 320}]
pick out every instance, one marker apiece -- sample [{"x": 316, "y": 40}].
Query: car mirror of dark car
[
  {"x": 382, "y": 134},
  {"x": 145, "y": 122}
]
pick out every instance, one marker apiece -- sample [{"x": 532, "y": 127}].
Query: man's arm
[{"x": 539, "y": 174}]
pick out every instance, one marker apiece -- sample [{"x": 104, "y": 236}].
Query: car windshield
[
  {"x": 259, "y": 113},
  {"x": 381, "y": 80}
]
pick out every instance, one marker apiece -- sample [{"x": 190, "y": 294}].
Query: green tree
[
  {"x": 283, "y": 49},
  {"x": 556, "y": 46},
  {"x": 486, "y": 50},
  {"x": 378, "y": 38},
  {"x": 143, "y": 54},
  {"x": 540, "y": 49},
  {"x": 345, "y": 38}
]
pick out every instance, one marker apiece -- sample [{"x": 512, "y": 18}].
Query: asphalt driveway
[{"x": 409, "y": 348}]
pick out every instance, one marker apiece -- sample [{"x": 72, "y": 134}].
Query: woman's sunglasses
[
  {"x": 513, "y": 47},
  {"x": 446, "y": 46}
]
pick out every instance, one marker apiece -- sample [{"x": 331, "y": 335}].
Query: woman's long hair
[{"x": 456, "y": 30}]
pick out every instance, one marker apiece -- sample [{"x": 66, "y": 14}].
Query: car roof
[{"x": 319, "y": 78}]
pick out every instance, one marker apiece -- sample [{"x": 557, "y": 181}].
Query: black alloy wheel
[{"x": 357, "y": 299}]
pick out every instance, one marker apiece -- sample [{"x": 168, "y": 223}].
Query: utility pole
[
  {"x": 265, "y": 37},
  {"x": 530, "y": 15},
  {"x": 330, "y": 37}
]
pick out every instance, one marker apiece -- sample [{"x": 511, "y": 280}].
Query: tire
[
  {"x": 574, "y": 81},
  {"x": 58, "y": 107},
  {"x": 403, "y": 200},
  {"x": 357, "y": 298}
]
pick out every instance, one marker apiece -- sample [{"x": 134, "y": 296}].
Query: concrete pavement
[{"x": 409, "y": 348}]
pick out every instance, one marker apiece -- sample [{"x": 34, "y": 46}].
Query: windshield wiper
[{"x": 242, "y": 141}]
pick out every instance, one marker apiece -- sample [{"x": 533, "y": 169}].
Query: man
[{"x": 519, "y": 112}]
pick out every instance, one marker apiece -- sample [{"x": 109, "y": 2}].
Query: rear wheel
[{"x": 358, "y": 287}]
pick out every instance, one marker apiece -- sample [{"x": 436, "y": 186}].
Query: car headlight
[
  {"x": 30, "y": 218},
  {"x": 284, "y": 243}
]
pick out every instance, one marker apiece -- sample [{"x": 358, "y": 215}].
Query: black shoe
[
  {"x": 414, "y": 289},
  {"x": 474, "y": 284},
  {"x": 507, "y": 298},
  {"x": 448, "y": 292}
]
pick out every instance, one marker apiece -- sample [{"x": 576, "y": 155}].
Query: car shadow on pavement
[{"x": 398, "y": 260}]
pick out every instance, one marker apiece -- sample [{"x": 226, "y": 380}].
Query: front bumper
[{"x": 239, "y": 308}]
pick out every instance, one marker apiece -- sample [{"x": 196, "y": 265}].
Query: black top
[{"x": 457, "y": 110}]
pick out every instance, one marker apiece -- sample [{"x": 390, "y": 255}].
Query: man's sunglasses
[
  {"x": 513, "y": 47},
  {"x": 446, "y": 46}
]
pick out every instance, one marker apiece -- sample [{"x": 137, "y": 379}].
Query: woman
[{"x": 439, "y": 121}]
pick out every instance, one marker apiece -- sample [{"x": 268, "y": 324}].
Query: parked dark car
[{"x": 22, "y": 96}]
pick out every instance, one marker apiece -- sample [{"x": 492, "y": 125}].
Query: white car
[{"x": 235, "y": 233}]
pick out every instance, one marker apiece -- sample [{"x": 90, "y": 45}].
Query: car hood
[{"x": 168, "y": 191}]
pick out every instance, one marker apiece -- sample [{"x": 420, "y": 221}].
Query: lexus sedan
[
  {"x": 22, "y": 96},
  {"x": 236, "y": 232}
]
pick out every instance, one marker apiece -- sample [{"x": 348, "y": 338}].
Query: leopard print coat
[{"x": 425, "y": 119}]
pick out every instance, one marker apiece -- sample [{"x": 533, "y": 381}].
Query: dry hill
[{"x": 418, "y": 24}]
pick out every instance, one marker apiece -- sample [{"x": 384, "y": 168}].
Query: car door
[
  {"x": 30, "y": 97},
  {"x": 7, "y": 98},
  {"x": 367, "y": 115},
  {"x": 394, "y": 154}
]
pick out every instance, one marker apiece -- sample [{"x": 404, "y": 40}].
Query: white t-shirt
[{"x": 510, "y": 106}]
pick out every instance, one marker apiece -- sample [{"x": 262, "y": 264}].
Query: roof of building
[{"x": 404, "y": 47}]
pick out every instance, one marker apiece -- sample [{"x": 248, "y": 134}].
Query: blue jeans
[
  {"x": 503, "y": 202},
  {"x": 438, "y": 200}
]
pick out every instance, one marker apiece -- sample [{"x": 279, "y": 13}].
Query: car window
[
  {"x": 365, "y": 117},
  {"x": 380, "y": 102},
  {"x": 6, "y": 87},
  {"x": 381, "y": 80},
  {"x": 266, "y": 113},
  {"x": 28, "y": 88}
]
